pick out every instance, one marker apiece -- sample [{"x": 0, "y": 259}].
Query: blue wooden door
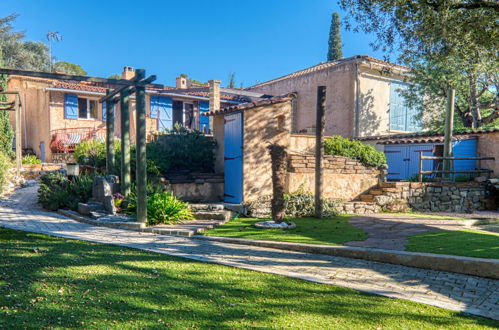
[
  {"x": 396, "y": 159},
  {"x": 464, "y": 148},
  {"x": 233, "y": 158},
  {"x": 165, "y": 113}
]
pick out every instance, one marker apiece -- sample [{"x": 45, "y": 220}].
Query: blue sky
[{"x": 258, "y": 40}]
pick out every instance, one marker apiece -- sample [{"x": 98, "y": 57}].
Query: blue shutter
[
  {"x": 70, "y": 106},
  {"x": 165, "y": 113},
  {"x": 204, "y": 121},
  {"x": 104, "y": 111},
  {"x": 154, "y": 106}
]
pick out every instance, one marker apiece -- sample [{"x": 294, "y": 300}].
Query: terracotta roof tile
[{"x": 251, "y": 105}]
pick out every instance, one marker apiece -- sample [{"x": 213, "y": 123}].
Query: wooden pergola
[{"x": 126, "y": 88}]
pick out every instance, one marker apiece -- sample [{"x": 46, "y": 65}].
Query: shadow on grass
[{"x": 53, "y": 282}]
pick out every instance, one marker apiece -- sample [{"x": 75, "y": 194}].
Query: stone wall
[
  {"x": 344, "y": 179},
  {"x": 207, "y": 188}
]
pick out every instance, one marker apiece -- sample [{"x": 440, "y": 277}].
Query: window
[
  {"x": 402, "y": 117},
  {"x": 87, "y": 109}
]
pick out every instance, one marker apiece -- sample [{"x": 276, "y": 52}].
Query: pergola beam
[
  {"x": 62, "y": 76},
  {"x": 144, "y": 82}
]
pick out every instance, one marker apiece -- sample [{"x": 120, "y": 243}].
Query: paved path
[
  {"x": 390, "y": 231},
  {"x": 472, "y": 294}
]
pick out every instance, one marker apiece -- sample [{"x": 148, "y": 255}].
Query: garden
[
  {"x": 49, "y": 282},
  {"x": 178, "y": 151}
]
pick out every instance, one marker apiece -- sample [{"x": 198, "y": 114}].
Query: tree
[
  {"x": 19, "y": 54},
  {"x": 114, "y": 76},
  {"x": 6, "y": 131},
  {"x": 69, "y": 68},
  {"x": 447, "y": 43},
  {"x": 335, "y": 50},
  {"x": 231, "y": 80}
]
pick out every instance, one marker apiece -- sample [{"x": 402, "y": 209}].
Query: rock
[
  {"x": 109, "y": 204},
  {"x": 87, "y": 208},
  {"x": 273, "y": 225},
  {"x": 100, "y": 189}
]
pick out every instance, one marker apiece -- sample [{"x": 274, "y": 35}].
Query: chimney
[
  {"x": 214, "y": 95},
  {"x": 128, "y": 73},
  {"x": 181, "y": 82}
]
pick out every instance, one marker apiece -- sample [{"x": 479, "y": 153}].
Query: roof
[
  {"x": 251, "y": 105},
  {"x": 326, "y": 65},
  {"x": 426, "y": 137}
]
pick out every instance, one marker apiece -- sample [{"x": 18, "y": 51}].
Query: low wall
[
  {"x": 207, "y": 189},
  {"x": 344, "y": 179},
  {"x": 34, "y": 171}
]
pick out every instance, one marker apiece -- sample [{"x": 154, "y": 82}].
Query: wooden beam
[
  {"x": 131, "y": 89},
  {"x": 125, "y": 142},
  {"x": 61, "y": 76},
  {"x": 319, "y": 148},
  {"x": 141, "y": 167},
  {"x": 457, "y": 158},
  {"x": 109, "y": 136},
  {"x": 18, "y": 135}
]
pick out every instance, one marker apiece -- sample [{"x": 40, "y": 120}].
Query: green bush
[
  {"x": 162, "y": 207},
  {"x": 303, "y": 205},
  {"x": 56, "y": 191},
  {"x": 31, "y": 159},
  {"x": 182, "y": 149},
  {"x": 92, "y": 152},
  {"x": 5, "y": 164},
  {"x": 166, "y": 208},
  {"x": 353, "y": 149}
]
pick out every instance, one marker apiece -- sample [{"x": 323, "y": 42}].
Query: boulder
[
  {"x": 101, "y": 188},
  {"x": 109, "y": 204}
]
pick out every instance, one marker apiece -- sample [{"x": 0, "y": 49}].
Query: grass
[
  {"x": 48, "y": 282},
  {"x": 468, "y": 243},
  {"x": 329, "y": 231}
]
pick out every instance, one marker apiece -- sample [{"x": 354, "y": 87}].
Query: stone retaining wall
[
  {"x": 196, "y": 189},
  {"x": 446, "y": 197},
  {"x": 344, "y": 179},
  {"x": 34, "y": 171}
]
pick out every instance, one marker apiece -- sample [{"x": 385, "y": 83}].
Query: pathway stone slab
[{"x": 457, "y": 292}]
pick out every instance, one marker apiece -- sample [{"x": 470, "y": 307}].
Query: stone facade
[{"x": 344, "y": 179}]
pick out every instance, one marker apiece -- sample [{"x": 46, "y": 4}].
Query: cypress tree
[{"x": 335, "y": 47}]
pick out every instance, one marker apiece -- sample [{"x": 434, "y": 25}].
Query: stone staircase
[{"x": 376, "y": 198}]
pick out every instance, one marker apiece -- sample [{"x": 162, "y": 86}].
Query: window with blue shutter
[
  {"x": 154, "y": 106},
  {"x": 204, "y": 121},
  {"x": 104, "y": 111},
  {"x": 70, "y": 106},
  {"x": 402, "y": 117}
]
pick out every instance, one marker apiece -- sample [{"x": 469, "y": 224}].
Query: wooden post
[
  {"x": 319, "y": 148},
  {"x": 125, "y": 143},
  {"x": 420, "y": 177},
  {"x": 109, "y": 136},
  {"x": 449, "y": 123},
  {"x": 141, "y": 173},
  {"x": 17, "y": 108}
]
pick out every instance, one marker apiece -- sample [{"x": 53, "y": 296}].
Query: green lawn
[
  {"x": 48, "y": 282},
  {"x": 330, "y": 231},
  {"x": 468, "y": 243}
]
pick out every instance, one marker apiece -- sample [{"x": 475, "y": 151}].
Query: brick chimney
[
  {"x": 181, "y": 82},
  {"x": 214, "y": 95},
  {"x": 128, "y": 73}
]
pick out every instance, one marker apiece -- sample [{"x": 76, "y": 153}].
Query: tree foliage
[
  {"x": 335, "y": 49},
  {"x": 69, "y": 68},
  {"x": 447, "y": 43},
  {"x": 231, "y": 80},
  {"x": 19, "y": 54}
]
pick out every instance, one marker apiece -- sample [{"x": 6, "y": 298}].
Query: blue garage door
[
  {"x": 403, "y": 160},
  {"x": 233, "y": 158}
]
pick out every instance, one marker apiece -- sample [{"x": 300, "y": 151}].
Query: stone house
[
  {"x": 58, "y": 114},
  {"x": 363, "y": 97}
]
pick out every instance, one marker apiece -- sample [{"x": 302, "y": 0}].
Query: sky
[{"x": 258, "y": 40}]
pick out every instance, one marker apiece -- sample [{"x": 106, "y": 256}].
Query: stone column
[{"x": 214, "y": 98}]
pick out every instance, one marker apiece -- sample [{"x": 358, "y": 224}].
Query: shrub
[
  {"x": 162, "y": 207},
  {"x": 365, "y": 154},
  {"x": 5, "y": 164},
  {"x": 56, "y": 191},
  {"x": 31, "y": 159},
  {"x": 166, "y": 208},
  {"x": 92, "y": 152},
  {"x": 182, "y": 149},
  {"x": 303, "y": 205}
]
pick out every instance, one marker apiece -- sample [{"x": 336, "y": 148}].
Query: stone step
[
  {"x": 394, "y": 184},
  {"x": 367, "y": 198},
  {"x": 206, "y": 206},
  {"x": 213, "y": 215},
  {"x": 375, "y": 192}
]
